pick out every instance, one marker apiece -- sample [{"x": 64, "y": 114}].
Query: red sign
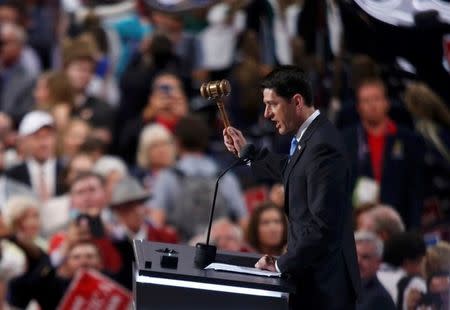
[{"x": 91, "y": 290}]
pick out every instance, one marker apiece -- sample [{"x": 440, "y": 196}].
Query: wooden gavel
[{"x": 216, "y": 90}]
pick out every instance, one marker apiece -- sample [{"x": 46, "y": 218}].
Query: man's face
[
  {"x": 10, "y": 48},
  {"x": 41, "y": 144},
  {"x": 281, "y": 112},
  {"x": 8, "y": 15},
  {"x": 88, "y": 195},
  {"x": 80, "y": 73},
  {"x": 83, "y": 256},
  {"x": 368, "y": 260},
  {"x": 372, "y": 104},
  {"x": 225, "y": 238},
  {"x": 132, "y": 216}
]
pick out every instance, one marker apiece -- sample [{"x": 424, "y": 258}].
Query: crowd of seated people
[{"x": 105, "y": 138}]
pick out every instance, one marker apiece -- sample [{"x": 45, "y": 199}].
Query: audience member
[
  {"x": 18, "y": 82},
  {"x": 432, "y": 122},
  {"x": 437, "y": 274},
  {"x": 22, "y": 217},
  {"x": 95, "y": 147},
  {"x": 41, "y": 169},
  {"x": 276, "y": 195},
  {"x": 186, "y": 191},
  {"x": 56, "y": 211},
  {"x": 9, "y": 187},
  {"x": 382, "y": 220},
  {"x": 90, "y": 220},
  {"x": 54, "y": 93},
  {"x": 385, "y": 154},
  {"x": 166, "y": 104},
  {"x": 267, "y": 230},
  {"x": 112, "y": 169},
  {"x": 47, "y": 284},
  {"x": 401, "y": 269},
  {"x": 186, "y": 46},
  {"x": 369, "y": 249},
  {"x": 137, "y": 80},
  {"x": 72, "y": 138},
  {"x": 79, "y": 63},
  {"x": 128, "y": 205},
  {"x": 156, "y": 151},
  {"x": 227, "y": 236}
]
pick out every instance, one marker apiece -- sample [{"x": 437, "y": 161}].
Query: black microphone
[{"x": 206, "y": 253}]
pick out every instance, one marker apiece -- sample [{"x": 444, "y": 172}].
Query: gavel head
[{"x": 215, "y": 89}]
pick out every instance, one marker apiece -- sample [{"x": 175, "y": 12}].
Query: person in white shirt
[{"x": 41, "y": 169}]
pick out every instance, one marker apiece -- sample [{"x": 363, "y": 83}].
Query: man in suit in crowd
[
  {"x": 321, "y": 254},
  {"x": 374, "y": 296},
  {"x": 40, "y": 170},
  {"x": 387, "y": 154}
]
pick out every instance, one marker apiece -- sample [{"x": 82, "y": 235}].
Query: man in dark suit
[
  {"x": 374, "y": 296},
  {"x": 41, "y": 170},
  {"x": 387, "y": 154},
  {"x": 320, "y": 253}
]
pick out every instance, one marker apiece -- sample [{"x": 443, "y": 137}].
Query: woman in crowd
[
  {"x": 267, "y": 230},
  {"x": 54, "y": 93},
  {"x": 156, "y": 151},
  {"x": 22, "y": 217},
  {"x": 432, "y": 122},
  {"x": 72, "y": 138}
]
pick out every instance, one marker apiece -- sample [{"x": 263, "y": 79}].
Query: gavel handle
[{"x": 223, "y": 113}]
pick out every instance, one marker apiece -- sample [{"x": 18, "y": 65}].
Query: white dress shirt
[
  {"x": 306, "y": 124},
  {"x": 49, "y": 169}
]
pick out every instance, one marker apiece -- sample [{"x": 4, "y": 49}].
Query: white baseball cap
[{"x": 33, "y": 121}]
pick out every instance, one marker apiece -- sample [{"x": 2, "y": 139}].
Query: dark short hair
[
  {"x": 287, "y": 81},
  {"x": 192, "y": 133},
  {"x": 86, "y": 175},
  {"x": 18, "y": 5},
  {"x": 403, "y": 246},
  {"x": 370, "y": 81}
]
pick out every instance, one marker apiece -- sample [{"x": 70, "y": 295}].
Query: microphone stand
[{"x": 205, "y": 253}]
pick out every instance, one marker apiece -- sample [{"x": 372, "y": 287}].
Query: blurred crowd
[{"x": 105, "y": 138}]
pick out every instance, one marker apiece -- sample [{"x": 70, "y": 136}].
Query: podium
[{"x": 185, "y": 286}]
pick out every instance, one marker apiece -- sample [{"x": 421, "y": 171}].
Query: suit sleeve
[
  {"x": 326, "y": 190},
  {"x": 269, "y": 166}
]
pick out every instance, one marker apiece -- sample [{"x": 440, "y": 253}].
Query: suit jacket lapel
[{"x": 301, "y": 147}]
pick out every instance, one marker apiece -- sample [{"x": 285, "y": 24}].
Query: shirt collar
[
  {"x": 48, "y": 163},
  {"x": 306, "y": 124}
]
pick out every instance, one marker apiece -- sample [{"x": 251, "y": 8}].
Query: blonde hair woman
[
  {"x": 22, "y": 218},
  {"x": 432, "y": 121},
  {"x": 156, "y": 151}
]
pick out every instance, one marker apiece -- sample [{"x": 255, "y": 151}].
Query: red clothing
[
  {"x": 111, "y": 258},
  {"x": 163, "y": 234},
  {"x": 376, "y": 145}
]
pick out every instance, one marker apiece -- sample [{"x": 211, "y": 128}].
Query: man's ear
[{"x": 298, "y": 100}]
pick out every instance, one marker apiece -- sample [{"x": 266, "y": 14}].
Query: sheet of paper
[{"x": 239, "y": 269}]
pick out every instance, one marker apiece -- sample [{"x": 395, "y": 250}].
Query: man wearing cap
[
  {"x": 128, "y": 204},
  {"x": 41, "y": 170}
]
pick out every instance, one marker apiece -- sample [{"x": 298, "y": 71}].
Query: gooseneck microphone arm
[
  {"x": 245, "y": 156},
  {"x": 238, "y": 162},
  {"x": 205, "y": 253}
]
